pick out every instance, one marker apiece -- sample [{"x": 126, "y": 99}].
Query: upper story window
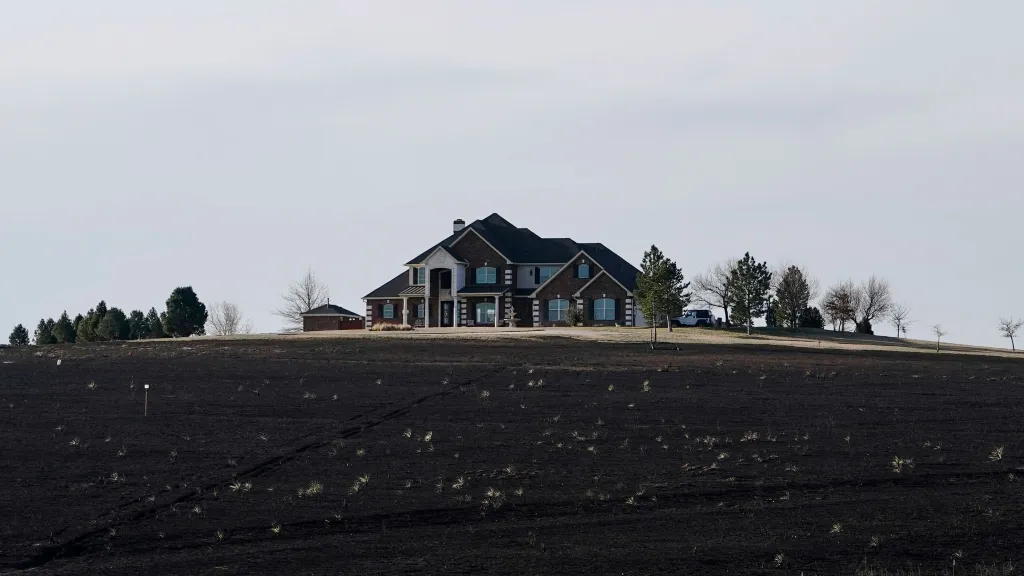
[
  {"x": 583, "y": 271},
  {"x": 604, "y": 309},
  {"x": 545, "y": 272},
  {"x": 487, "y": 275},
  {"x": 420, "y": 276}
]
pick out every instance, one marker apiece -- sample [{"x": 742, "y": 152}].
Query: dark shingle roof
[
  {"x": 613, "y": 264},
  {"x": 521, "y": 246},
  {"x": 516, "y": 244},
  {"x": 392, "y": 287},
  {"x": 330, "y": 310}
]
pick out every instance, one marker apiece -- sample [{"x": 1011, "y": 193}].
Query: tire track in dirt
[{"x": 86, "y": 542}]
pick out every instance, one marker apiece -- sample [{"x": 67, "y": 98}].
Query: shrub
[
  {"x": 389, "y": 327},
  {"x": 573, "y": 316},
  {"x": 811, "y": 318}
]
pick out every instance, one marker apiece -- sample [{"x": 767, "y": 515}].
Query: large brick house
[{"x": 490, "y": 269}]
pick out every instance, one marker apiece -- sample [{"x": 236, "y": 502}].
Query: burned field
[{"x": 518, "y": 457}]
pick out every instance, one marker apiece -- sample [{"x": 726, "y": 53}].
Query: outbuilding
[{"x": 331, "y": 317}]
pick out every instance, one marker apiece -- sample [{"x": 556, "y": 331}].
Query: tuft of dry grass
[{"x": 996, "y": 455}]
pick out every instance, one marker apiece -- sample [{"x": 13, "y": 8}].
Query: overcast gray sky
[{"x": 229, "y": 145}]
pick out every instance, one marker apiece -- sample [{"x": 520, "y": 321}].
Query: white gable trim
[
  {"x": 598, "y": 275},
  {"x": 571, "y": 262}
]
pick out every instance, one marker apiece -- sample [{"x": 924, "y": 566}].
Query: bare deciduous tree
[
  {"x": 226, "y": 319},
  {"x": 899, "y": 317},
  {"x": 839, "y": 305},
  {"x": 939, "y": 333},
  {"x": 712, "y": 287},
  {"x": 302, "y": 296},
  {"x": 872, "y": 300},
  {"x": 1009, "y": 327}
]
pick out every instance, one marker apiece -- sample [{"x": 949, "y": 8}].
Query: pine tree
[
  {"x": 86, "y": 327},
  {"x": 751, "y": 283},
  {"x": 156, "y": 325},
  {"x": 113, "y": 326},
  {"x": 185, "y": 315},
  {"x": 138, "y": 327},
  {"x": 660, "y": 289},
  {"x": 19, "y": 336},
  {"x": 64, "y": 330},
  {"x": 44, "y": 333},
  {"x": 792, "y": 294}
]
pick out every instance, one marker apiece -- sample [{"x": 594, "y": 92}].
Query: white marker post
[{"x": 145, "y": 409}]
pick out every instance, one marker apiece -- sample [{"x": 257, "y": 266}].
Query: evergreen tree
[
  {"x": 186, "y": 315},
  {"x": 138, "y": 328},
  {"x": 771, "y": 317},
  {"x": 86, "y": 331},
  {"x": 750, "y": 285},
  {"x": 811, "y": 318},
  {"x": 44, "y": 333},
  {"x": 660, "y": 289},
  {"x": 156, "y": 325},
  {"x": 63, "y": 330},
  {"x": 97, "y": 317},
  {"x": 77, "y": 322},
  {"x": 792, "y": 294},
  {"x": 113, "y": 326},
  {"x": 19, "y": 336}
]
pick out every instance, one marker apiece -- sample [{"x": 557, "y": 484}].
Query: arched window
[
  {"x": 487, "y": 275},
  {"x": 583, "y": 271},
  {"x": 557, "y": 309},
  {"x": 604, "y": 309}
]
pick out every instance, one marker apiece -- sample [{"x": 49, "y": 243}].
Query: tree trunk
[
  {"x": 1013, "y": 347},
  {"x": 749, "y": 322},
  {"x": 937, "y": 345},
  {"x": 726, "y": 309}
]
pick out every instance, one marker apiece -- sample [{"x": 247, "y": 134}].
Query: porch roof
[{"x": 413, "y": 291}]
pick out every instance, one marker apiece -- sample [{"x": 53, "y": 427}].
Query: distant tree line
[
  {"x": 785, "y": 297},
  {"x": 183, "y": 315}
]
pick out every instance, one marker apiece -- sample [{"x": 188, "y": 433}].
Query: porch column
[
  {"x": 455, "y": 296},
  {"x": 497, "y": 310},
  {"x": 426, "y": 297},
  {"x": 405, "y": 311}
]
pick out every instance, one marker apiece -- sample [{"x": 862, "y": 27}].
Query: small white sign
[
  {"x": 58, "y": 361},
  {"x": 146, "y": 386}
]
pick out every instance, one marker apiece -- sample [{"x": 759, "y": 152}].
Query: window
[
  {"x": 420, "y": 309},
  {"x": 487, "y": 275},
  {"x": 604, "y": 309},
  {"x": 703, "y": 314},
  {"x": 545, "y": 272},
  {"x": 485, "y": 313},
  {"x": 387, "y": 311},
  {"x": 556, "y": 309},
  {"x": 583, "y": 271},
  {"x": 421, "y": 276}
]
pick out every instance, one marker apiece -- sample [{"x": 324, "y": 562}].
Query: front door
[{"x": 446, "y": 313}]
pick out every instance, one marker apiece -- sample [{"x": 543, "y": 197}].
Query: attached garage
[{"x": 331, "y": 317}]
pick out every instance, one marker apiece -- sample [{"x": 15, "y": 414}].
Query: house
[
  {"x": 487, "y": 271},
  {"x": 331, "y": 317}
]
